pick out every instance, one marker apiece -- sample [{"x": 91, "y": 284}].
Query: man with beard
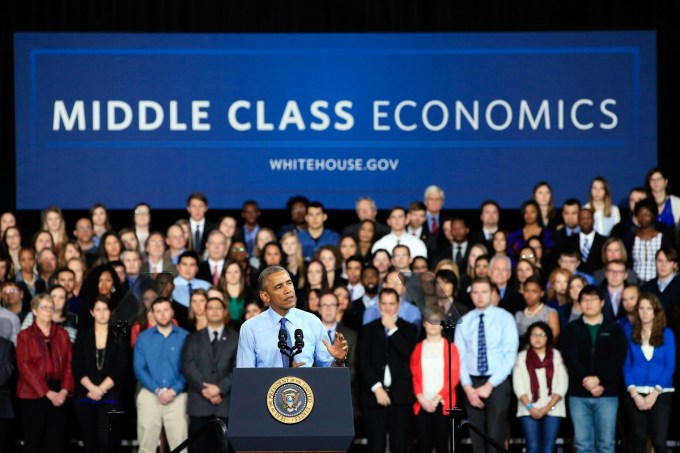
[
  {"x": 370, "y": 279},
  {"x": 162, "y": 401}
]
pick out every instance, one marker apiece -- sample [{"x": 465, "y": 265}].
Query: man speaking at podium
[{"x": 260, "y": 336}]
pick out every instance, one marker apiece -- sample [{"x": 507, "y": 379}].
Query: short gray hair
[
  {"x": 264, "y": 275},
  {"x": 430, "y": 190},
  {"x": 501, "y": 258}
]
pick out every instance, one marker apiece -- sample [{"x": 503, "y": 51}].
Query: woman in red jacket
[
  {"x": 430, "y": 363},
  {"x": 45, "y": 379}
]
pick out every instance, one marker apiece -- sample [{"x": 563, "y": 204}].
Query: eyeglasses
[
  {"x": 46, "y": 307},
  {"x": 238, "y": 249},
  {"x": 7, "y": 292},
  {"x": 142, "y": 211},
  {"x": 538, "y": 334},
  {"x": 528, "y": 256}
]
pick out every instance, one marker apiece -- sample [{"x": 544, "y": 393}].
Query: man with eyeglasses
[
  {"x": 615, "y": 274},
  {"x": 328, "y": 309},
  {"x": 83, "y": 233},
  {"x": 570, "y": 259},
  {"x": 594, "y": 348},
  {"x": 157, "y": 260}
]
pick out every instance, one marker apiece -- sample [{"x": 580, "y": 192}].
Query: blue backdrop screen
[{"x": 119, "y": 118}]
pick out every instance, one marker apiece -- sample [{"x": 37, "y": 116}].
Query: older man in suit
[
  {"x": 157, "y": 260},
  {"x": 208, "y": 361}
]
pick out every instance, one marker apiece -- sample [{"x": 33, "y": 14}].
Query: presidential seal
[{"x": 290, "y": 400}]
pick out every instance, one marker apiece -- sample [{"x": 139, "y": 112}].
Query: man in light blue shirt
[
  {"x": 258, "y": 340},
  {"x": 487, "y": 342},
  {"x": 407, "y": 311},
  {"x": 186, "y": 281},
  {"x": 162, "y": 400}
]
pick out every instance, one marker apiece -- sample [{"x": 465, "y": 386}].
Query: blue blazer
[{"x": 659, "y": 370}]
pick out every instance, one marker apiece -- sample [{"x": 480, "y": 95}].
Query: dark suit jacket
[
  {"x": 447, "y": 253},
  {"x": 512, "y": 300},
  {"x": 353, "y": 230},
  {"x": 670, "y": 298},
  {"x": 430, "y": 240},
  {"x": 207, "y": 228},
  {"x": 7, "y": 369},
  {"x": 563, "y": 241},
  {"x": 375, "y": 352},
  {"x": 168, "y": 266},
  {"x": 608, "y": 309},
  {"x": 594, "y": 261},
  {"x": 478, "y": 237},
  {"x": 204, "y": 271},
  {"x": 355, "y": 314},
  {"x": 200, "y": 365}
]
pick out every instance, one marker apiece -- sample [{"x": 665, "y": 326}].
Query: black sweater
[{"x": 605, "y": 359}]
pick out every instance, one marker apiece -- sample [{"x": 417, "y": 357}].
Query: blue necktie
[
  {"x": 284, "y": 359},
  {"x": 585, "y": 251},
  {"x": 482, "y": 362},
  {"x": 190, "y": 289}
]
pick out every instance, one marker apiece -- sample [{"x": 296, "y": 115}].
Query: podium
[{"x": 291, "y": 409}]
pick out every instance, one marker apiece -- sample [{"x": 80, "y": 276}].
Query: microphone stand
[
  {"x": 448, "y": 331},
  {"x": 291, "y": 351}
]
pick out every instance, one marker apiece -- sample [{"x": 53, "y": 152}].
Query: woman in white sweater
[{"x": 540, "y": 382}]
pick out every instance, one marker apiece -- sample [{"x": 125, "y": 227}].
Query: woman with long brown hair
[
  {"x": 233, "y": 284},
  {"x": 648, "y": 374}
]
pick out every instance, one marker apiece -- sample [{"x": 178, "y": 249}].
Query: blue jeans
[
  {"x": 540, "y": 434},
  {"x": 594, "y": 422}
]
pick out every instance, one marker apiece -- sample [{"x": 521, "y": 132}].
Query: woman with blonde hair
[
  {"x": 53, "y": 221},
  {"x": 294, "y": 261},
  {"x": 264, "y": 236},
  {"x": 614, "y": 249},
  {"x": 600, "y": 201}
]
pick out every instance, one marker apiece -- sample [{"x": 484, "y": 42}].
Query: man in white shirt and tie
[
  {"x": 211, "y": 269},
  {"x": 197, "y": 206},
  {"x": 397, "y": 221}
]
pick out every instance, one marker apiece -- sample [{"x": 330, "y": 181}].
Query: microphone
[
  {"x": 283, "y": 340},
  {"x": 299, "y": 340}
]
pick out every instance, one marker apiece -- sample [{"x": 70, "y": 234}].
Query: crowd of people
[{"x": 573, "y": 314}]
